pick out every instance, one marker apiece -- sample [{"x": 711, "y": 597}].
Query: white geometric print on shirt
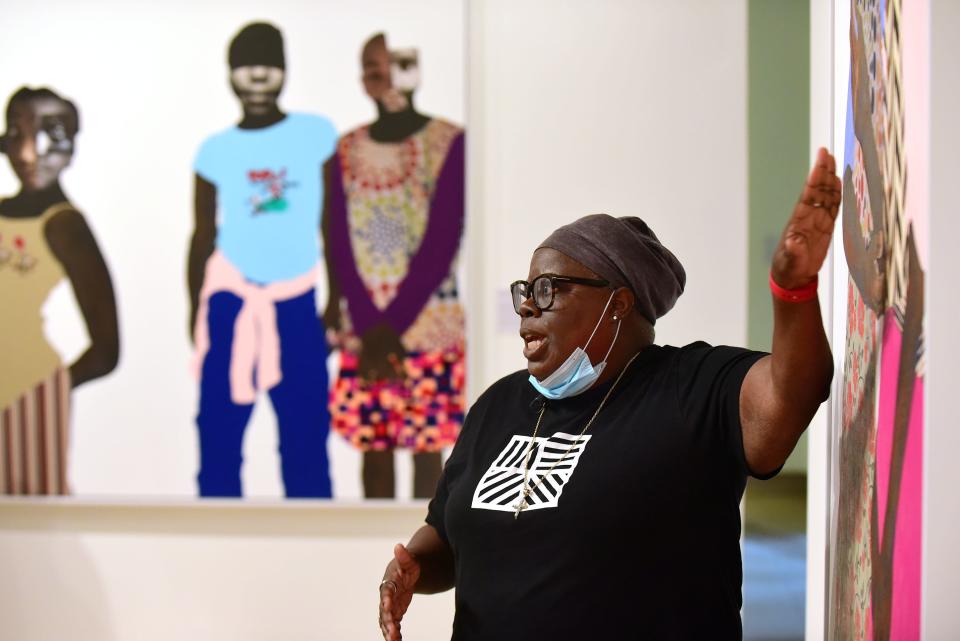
[{"x": 502, "y": 484}]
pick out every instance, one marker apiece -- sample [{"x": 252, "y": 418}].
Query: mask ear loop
[
  {"x": 597, "y": 326},
  {"x": 615, "y": 335}
]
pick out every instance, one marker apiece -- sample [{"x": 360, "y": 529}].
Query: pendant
[{"x": 521, "y": 503}]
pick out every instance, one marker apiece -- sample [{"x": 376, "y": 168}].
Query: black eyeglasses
[{"x": 543, "y": 288}]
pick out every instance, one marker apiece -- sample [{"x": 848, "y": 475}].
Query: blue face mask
[{"x": 576, "y": 374}]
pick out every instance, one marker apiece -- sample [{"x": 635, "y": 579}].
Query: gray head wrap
[{"x": 627, "y": 253}]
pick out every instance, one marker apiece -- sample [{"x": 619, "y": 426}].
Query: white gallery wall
[
  {"x": 941, "y": 510},
  {"x": 621, "y": 107},
  {"x": 822, "y": 129},
  {"x": 572, "y": 107}
]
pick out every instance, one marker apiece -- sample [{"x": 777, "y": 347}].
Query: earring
[{"x": 615, "y": 317}]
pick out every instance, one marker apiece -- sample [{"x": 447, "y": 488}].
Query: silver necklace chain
[{"x": 526, "y": 491}]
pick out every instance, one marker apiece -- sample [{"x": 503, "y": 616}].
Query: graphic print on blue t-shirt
[
  {"x": 552, "y": 462},
  {"x": 271, "y": 186}
]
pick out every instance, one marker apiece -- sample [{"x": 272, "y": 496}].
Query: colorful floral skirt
[{"x": 423, "y": 412}]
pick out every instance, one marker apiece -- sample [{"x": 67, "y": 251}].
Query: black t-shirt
[{"x": 635, "y": 535}]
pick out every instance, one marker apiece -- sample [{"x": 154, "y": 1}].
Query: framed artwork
[{"x": 229, "y": 249}]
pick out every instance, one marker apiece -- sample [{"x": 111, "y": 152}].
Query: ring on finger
[{"x": 391, "y": 583}]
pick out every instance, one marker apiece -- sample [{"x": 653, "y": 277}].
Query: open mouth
[{"x": 533, "y": 344}]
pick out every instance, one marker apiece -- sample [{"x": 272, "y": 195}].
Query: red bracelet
[{"x": 799, "y": 295}]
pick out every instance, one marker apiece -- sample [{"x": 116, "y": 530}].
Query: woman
[
  {"x": 44, "y": 240},
  {"x": 610, "y": 509}
]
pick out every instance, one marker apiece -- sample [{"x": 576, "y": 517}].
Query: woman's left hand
[{"x": 806, "y": 238}]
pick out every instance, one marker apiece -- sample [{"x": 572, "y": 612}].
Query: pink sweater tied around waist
[{"x": 256, "y": 342}]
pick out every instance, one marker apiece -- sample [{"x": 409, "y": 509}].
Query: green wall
[{"x": 778, "y": 125}]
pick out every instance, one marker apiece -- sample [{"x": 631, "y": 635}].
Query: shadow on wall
[{"x": 52, "y": 596}]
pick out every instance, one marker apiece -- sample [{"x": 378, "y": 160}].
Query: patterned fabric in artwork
[
  {"x": 33, "y": 439},
  {"x": 852, "y": 615},
  {"x": 400, "y": 220},
  {"x": 863, "y": 325},
  {"x": 389, "y": 188},
  {"x": 895, "y": 171},
  {"x": 422, "y": 412},
  {"x": 859, "y": 433}
]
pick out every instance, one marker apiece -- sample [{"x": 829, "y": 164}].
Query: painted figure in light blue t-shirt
[{"x": 252, "y": 272}]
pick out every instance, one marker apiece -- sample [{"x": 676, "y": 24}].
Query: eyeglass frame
[{"x": 554, "y": 279}]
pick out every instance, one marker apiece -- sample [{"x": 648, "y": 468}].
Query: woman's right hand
[{"x": 396, "y": 591}]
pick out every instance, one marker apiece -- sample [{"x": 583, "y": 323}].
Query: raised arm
[
  {"x": 201, "y": 242},
  {"x": 782, "y": 391},
  {"x": 423, "y": 566},
  {"x": 75, "y": 247},
  {"x": 331, "y": 315}
]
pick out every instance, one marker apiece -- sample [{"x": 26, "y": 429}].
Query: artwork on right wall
[{"x": 875, "y": 573}]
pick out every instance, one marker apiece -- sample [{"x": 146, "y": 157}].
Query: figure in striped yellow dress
[{"x": 43, "y": 240}]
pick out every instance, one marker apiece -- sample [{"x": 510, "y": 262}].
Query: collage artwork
[{"x": 874, "y": 590}]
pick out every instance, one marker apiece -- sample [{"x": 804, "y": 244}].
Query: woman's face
[
  {"x": 550, "y": 336},
  {"x": 39, "y": 141}
]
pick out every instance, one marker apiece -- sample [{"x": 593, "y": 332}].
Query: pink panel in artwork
[
  {"x": 889, "y": 364},
  {"x": 905, "y": 611}
]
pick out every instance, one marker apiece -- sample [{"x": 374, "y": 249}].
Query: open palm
[
  {"x": 806, "y": 237},
  {"x": 396, "y": 591}
]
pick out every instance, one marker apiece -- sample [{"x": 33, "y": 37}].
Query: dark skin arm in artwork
[
  {"x": 423, "y": 566},
  {"x": 866, "y": 264},
  {"x": 331, "y": 315},
  {"x": 73, "y": 244},
  {"x": 201, "y": 243},
  {"x": 782, "y": 391},
  {"x": 863, "y": 126}
]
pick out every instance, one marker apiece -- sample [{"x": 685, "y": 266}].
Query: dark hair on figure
[
  {"x": 23, "y": 94},
  {"x": 258, "y": 43}
]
